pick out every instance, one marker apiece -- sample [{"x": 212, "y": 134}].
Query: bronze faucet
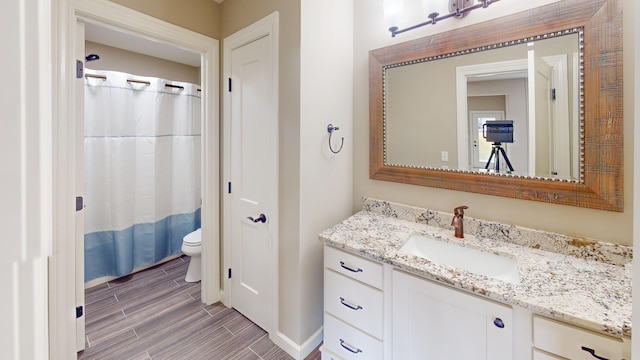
[{"x": 458, "y": 215}]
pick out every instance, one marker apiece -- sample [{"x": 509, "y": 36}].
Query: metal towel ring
[{"x": 330, "y": 129}]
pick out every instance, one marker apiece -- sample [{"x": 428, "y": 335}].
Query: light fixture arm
[{"x": 460, "y": 11}]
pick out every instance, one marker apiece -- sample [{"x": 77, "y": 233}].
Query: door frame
[
  {"x": 267, "y": 26},
  {"x": 62, "y": 267},
  {"x": 462, "y": 123},
  {"x": 472, "y": 159}
]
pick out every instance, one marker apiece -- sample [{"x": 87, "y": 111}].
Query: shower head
[{"x": 91, "y": 57}]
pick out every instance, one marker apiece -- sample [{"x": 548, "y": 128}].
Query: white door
[
  {"x": 540, "y": 116},
  {"x": 79, "y": 231},
  {"x": 561, "y": 123},
  {"x": 481, "y": 148},
  {"x": 254, "y": 182}
]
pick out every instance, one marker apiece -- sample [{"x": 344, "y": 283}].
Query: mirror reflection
[{"x": 448, "y": 113}]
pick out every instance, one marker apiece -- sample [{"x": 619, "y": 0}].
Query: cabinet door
[{"x": 432, "y": 321}]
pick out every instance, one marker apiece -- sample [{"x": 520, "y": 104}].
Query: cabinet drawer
[
  {"x": 355, "y": 303},
  {"x": 349, "y": 343},
  {"x": 328, "y": 355},
  {"x": 539, "y": 355},
  {"x": 572, "y": 342},
  {"x": 367, "y": 271}
]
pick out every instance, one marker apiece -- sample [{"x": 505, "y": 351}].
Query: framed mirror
[{"x": 527, "y": 106}]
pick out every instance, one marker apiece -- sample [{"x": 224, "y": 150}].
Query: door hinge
[
  {"x": 553, "y": 94},
  {"x": 79, "y": 311},
  {"x": 79, "y": 203},
  {"x": 229, "y": 84},
  {"x": 229, "y": 273},
  {"x": 229, "y": 187},
  {"x": 79, "y": 69}
]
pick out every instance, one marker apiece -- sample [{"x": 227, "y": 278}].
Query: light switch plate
[{"x": 444, "y": 155}]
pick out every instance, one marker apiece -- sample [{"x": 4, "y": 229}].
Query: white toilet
[{"x": 192, "y": 246}]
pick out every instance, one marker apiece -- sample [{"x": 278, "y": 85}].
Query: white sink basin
[{"x": 472, "y": 260}]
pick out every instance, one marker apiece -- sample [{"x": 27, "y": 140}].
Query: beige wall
[
  {"x": 487, "y": 103},
  {"x": 201, "y": 16},
  {"x": 370, "y": 33},
  {"x": 137, "y": 64}
]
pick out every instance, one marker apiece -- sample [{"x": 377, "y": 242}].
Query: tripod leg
[
  {"x": 493, "y": 151},
  {"x": 506, "y": 159}
]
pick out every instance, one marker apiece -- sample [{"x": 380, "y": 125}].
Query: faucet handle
[{"x": 460, "y": 210}]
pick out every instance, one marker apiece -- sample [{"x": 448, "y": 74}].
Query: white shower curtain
[{"x": 142, "y": 170}]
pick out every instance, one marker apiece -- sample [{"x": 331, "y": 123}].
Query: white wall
[
  {"x": 25, "y": 178},
  {"x": 326, "y": 179}
]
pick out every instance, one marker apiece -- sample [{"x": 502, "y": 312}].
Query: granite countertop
[{"x": 588, "y": 284}]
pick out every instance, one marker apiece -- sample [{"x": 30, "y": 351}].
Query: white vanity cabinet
[
  {"x": 554, "y": 340},
  {"x": 433, "y": 321},
  {"x": 353, "y": 303},
  {"x": 375, "y": 311}
]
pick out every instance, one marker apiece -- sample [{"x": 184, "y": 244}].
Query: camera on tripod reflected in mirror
[{"x": 498, "y": 132}]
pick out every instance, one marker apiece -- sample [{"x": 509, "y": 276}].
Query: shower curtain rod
[{"x": 104, "y": 77}]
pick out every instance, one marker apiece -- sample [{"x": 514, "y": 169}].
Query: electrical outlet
[{"x": 444, "y": 155}]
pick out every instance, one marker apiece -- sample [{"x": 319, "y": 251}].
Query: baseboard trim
[{"x": 298, "y": 352}]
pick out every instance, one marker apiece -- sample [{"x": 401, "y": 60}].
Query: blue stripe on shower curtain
[
  {"x": 142, "y": 153},
  {"x": 117, "y": 253}
]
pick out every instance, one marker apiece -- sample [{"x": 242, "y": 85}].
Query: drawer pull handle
[
  {"x": 342, "y": 265},
  {"x": 498, "y": 322},
  {"x": 349, "y": 348},
  {"x": 349, "y": 305},
  {"x": 593, "y": 353}
]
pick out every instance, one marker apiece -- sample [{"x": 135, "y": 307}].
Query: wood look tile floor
[{"x": 155, "y": 314}]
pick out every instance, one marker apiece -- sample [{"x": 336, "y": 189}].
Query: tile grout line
[
  {"x": 226, "y": 328},
  {"x": 259, "y": 357}
]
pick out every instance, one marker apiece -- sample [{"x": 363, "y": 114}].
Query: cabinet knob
[{"x": 498, "y": 322}]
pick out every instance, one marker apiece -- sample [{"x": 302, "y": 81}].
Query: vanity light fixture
[{"x": 457, "y": 9}]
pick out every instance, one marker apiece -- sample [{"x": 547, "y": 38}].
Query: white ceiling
[{"x": 125, "y": 41}]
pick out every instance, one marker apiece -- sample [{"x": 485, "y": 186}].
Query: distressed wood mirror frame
[{"x": 601, "y": 185}]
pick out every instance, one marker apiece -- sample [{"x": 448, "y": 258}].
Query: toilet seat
[{"x": 194, "y": 238}]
